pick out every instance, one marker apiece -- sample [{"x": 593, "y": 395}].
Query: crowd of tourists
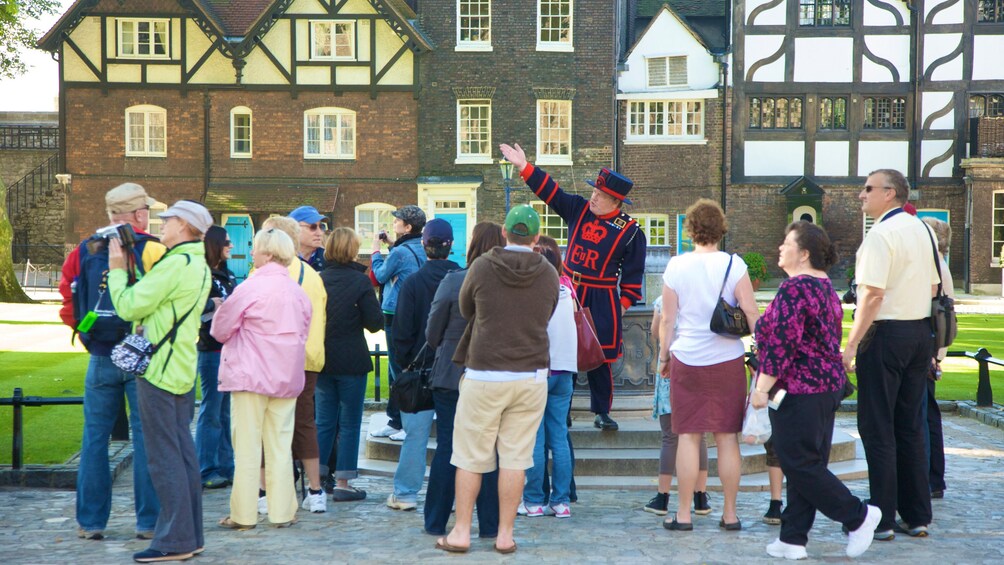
[{"x": 282, "y": 362}]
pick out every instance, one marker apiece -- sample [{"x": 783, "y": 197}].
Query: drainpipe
[
  {"x": 723, "y": 63},
  {"x": 967, "y": 235},
  {"x": 918, "y": 75},
  {"x": 206, "y": 107},
  {"x": 615, "y": 154}
]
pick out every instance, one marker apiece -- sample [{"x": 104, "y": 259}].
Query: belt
[{"x": 578, "y": 279}]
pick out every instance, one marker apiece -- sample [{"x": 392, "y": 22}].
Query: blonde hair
[
  {"x": 288, "y": 225},
  {"x": 342, "y": 246},
  {"x": 942, "y": 231},
  {"x": 277, "y": 243}
]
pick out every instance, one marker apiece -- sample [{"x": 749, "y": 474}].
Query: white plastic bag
[{"x": 756, "y": 425}]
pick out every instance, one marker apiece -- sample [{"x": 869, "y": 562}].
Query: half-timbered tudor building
[
  {"x": 254, "y": 107},
  {"x": 828, "y": 90}
]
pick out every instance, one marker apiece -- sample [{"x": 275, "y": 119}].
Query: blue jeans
[
  {"x": 441, "y": 492},
  {"x": 411, "y": 464},
  {"x": 212, "y": 432},
  {"x": 338, "y": 404},
  {"x": 105, "y": 387},
  {"x": 553, "y": 431},
  {"x": 393, "y": 412}
]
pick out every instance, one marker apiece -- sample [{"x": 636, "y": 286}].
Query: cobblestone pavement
[{"x": 607, "y": 526}]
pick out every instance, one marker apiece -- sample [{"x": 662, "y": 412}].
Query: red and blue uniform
[{"x": 605, "y": 259}]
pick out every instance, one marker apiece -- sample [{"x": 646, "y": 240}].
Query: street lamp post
[{"x": 506, "y": 168}]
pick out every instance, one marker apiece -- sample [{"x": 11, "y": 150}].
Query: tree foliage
[{"x": 17, "y": 33}]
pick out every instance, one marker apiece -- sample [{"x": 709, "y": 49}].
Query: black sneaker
[
  {"x": 773, "y": 515},
  {"x": 701, "y": 507},
  {"x": 347, "y": 494},
  {"x": 659, "y": 505},
  {"x": 154, "y": 556},
  {"x": 328, "y": 483},
  {"x": 604, "y": 422},
  {"x": 937, "y": 494}
]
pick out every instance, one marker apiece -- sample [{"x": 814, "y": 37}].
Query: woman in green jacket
[{"x": 170, "y": 295}]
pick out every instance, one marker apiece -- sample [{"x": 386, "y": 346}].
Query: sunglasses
[
  {"x": 870, "y": 188},
  {"x": 311, "y": 227},
  {"x": 228, "y": 243}
]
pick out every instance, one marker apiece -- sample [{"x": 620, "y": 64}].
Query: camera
[
  {"x": 851, "y": 296},
  {"x": 122, "y": 232},
  {"x": 383, "y": 236}
]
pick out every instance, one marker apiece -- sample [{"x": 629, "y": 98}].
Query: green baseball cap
[{"x": 522, "y": 220}]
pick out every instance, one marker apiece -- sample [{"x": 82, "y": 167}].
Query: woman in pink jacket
[{"x": 263, "y": 327}]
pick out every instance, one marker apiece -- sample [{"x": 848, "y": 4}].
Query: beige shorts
[{"x": 500, "y": 417}]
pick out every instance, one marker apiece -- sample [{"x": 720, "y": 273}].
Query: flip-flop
[
  {"x": 229, "y": 524},
  {"x": 507, "y": 550},
  {"x": 444, "y": 545}
]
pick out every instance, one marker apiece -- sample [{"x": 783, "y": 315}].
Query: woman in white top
[{"x": 709, "y": 379}]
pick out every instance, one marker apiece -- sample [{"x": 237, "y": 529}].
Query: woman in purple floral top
[{"x": 798, "y": 338}]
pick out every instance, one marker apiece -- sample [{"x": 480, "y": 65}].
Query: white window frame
[
  {"x": 473, "y": 158},
  {"x": 647, "y": 113},
  {"x": 566, "y": 45},
  {"x": 324, "y": 112},
  {"x": 153, "y": 23},
  {"x": 149, "y": 133},
  {"x": 553, "y": 158},
  {"x": 995, "y": 253},
  {"x": 551, "y": 223},
  {"x": 466, "y": 44},
  {"x": 366, "y": 228},
  {"x": 333, "y": 39},
  {"x": 234, "y": 152},
  {"x": 647, "y": 224},
  {"x": 156, "y": 222},
  {"x": 670, "y": 83}
]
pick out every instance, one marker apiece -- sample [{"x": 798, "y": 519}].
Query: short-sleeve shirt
[
  {"x": 897, "y": 256},
  {"x": 696, "y": 278}
]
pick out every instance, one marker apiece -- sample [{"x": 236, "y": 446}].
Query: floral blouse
[{"x": 798, "y": 337}]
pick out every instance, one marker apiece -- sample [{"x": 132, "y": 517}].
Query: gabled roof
[
  {"x": 235, "y": 18},
  {"x": 802, "y": 185},
  {"x": 685, "y": 8},
  {"x": 671, "y": 13},
  {"x": 706, "y": 19}
]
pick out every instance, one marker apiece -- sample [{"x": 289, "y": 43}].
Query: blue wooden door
[
  {"x": 240, "y": 230},
  {"x": 459, "y": 223}
]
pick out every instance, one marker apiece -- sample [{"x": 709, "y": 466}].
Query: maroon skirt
[{"x": 708, "y": 399}]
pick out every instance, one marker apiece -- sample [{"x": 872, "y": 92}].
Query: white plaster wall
[
  {"x": 937, "y": 45},
  {"x": 875, "y": 16},
  {"x": 832, "y": 158},
  {"x": 933, "y": 148},
  {"x": 260, "y": 70},
  {"x": 874, "y": 155},
  {"x": 668, "y": 37},
  {"x": 893, "y": 48},
  {"x": 74, "y": 68},
  {"x": 773, "y": 16},
  {"x": 87, "y": 36},
  {"x": 164, "y": 74},
  {"x": 987, "y": 54},
  {"x": 277, "y": 42},
  {"x": 760, "y": 47},
  {"x": 774, "y": 158},
  {"x": 953, "y": 14},
  {"x": 934, "y": 101},
  {"x": 824, "y": 59}
]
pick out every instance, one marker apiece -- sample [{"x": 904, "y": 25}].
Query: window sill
[
  {"x": 147, "y": 155},
  {"x": 476, "y": 47},
  {"x": 658, "y": 141},
  {"x": 554, "y": 160},
  {"x": 351, "y": 58},
  {"x": 474, "y": 160},
  {"x": 240, "y": 156},
  {"x": 328, "y": 158},
  {"x": 556, "y": 47}
]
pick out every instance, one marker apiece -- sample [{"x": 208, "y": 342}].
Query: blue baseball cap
[
  {"x": 307, "y": 214},
  {"x": 438, "y": 229}
]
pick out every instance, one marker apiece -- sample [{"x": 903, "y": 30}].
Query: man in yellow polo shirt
[{"x": 892, "y": 343}]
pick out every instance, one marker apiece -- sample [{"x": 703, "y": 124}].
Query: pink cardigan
[{"x": 263, "y": 327}]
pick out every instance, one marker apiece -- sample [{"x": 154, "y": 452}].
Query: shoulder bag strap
[
  {"x": 418, "y": 356},
  {"x": 937, "y": 264},
  {"x": 174, "y": 329},
  {"x": 300, "y": 282},
  {"x": 413, "y": 254},
  {"x": 721, "y": 291}
]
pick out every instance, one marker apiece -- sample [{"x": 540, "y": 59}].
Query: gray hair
[
  {"x": 275, "y": 242},
  {"x": 898, "y": 182},
  {"x": 942, "y": 231}
]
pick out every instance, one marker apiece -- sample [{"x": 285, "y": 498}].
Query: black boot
[
  {"x": 773, "y": 515},
  {"x": 604, "y": 422}
]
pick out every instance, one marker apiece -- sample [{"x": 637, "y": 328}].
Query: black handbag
[
  {"x": 944, "y": 324},
  {"x": 726, "y": 320},
  {"x": 411, "y": 390}
]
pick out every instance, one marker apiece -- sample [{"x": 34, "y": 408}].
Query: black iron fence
[
  {"x": 38, "y": 183},
  {"x": 22, "y": 251},
  {"x": 29, "y": 137},
  {"x": 984, "y": 394}
]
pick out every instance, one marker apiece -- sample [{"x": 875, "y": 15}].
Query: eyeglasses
[
  {"x": 311, "y": 227},
  {"x": 869, "y": 188}
]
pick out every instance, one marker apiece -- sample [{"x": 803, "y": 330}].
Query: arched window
[
  {"x": 145, "y": 131},
  {"x": 373, "y": 217},
  {"x": 240, "y": 132},
  {"x": 329, "y": 133}
]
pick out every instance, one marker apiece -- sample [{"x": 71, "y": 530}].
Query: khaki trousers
[{"x": 258, "y": 422}]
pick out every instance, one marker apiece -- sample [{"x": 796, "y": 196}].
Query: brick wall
[{"x": 987, "y": 177}]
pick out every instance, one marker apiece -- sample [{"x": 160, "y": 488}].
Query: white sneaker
[
  {"x": 262, "y": 505},
  {"x": 316, "y": 503},
  {"x": 560, "y": 510},
  {"x": 778, "y": 548},
  {"x": 860, "y": 539},
  {"x": 399, "y": 436},
  {"x": 397, "y": 504},
  {"x": 387, "y": 431},
  {"x": 530, "y": 510},
  {"x": 520, "y": 510}
]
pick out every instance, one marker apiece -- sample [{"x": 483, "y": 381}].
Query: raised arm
[{"x": 568, "y": 206}]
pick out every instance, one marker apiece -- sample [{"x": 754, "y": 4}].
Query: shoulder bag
[
  {"x": 590, "y": 353},
  {"x": 944, "y": 324},
  {"x": 726, "y": 320},
  {"x": 411, "y": 390}
]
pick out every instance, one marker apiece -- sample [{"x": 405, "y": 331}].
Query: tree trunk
[{"x": 10, "y": 290}]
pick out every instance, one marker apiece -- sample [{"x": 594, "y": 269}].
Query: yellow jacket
[{"x": 314, "y": 287}]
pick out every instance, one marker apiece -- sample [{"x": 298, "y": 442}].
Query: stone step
[{"x": 624, "y": 406}]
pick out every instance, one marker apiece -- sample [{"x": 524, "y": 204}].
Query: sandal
[
  {"x": 507, "y": 550},
  {"x": 444, "y": 545},
  {"x": 229, "y": 524}
]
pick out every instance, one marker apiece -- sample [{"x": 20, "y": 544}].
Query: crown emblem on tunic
[{"x": 594, "y": 233}]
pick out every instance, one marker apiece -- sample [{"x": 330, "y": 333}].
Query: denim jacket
[{"x": 406, "y": 257}]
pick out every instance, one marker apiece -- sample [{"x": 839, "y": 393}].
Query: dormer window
[
  {"x": 333, "y": 40},
  {"x": 667, "y": 72},
  {"x": 143, "y": 39}
]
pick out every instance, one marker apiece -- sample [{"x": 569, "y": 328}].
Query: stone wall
[
  {"x": 15, "y": 163},
  {"x": 44, "y": 225}
]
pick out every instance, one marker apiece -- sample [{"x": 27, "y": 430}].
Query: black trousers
[
  {"x": 802, "y": 434},
  {"x": 936, "y": 440},
  {"x": 601, "y": 389},
  {"x": 892, "y": 393}
]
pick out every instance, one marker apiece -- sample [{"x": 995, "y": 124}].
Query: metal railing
[
  {"x": 377, "y": 354},
  {"x": 37, "y": 253},
  {"x": 34, "y": 185},
  {"x": 984, "y": 394},
  {"x": 29, "y": 137}
]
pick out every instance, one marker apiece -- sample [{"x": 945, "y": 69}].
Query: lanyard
[{"x": 891, "y": 214}]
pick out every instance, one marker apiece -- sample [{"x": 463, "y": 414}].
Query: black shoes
[
  {"x": 604, "y": 422},
  {"x": 773, "y": 515},
  {"x": 733, "y": 527},
  {"x": 677, "y": 527},
  {"x": 659, "y": 505},
  {"x": 701, "y": 507}
]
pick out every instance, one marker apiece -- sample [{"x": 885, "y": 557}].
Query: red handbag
[{"x": 590, "y": 352}]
